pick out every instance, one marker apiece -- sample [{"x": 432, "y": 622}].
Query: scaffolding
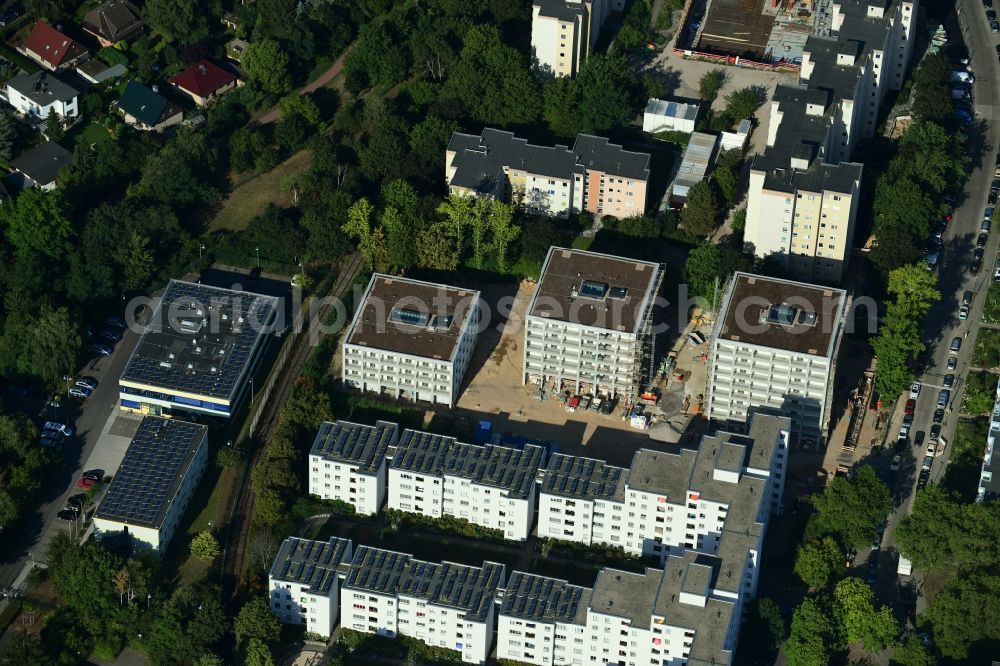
[{"x": 643, "y": 368}]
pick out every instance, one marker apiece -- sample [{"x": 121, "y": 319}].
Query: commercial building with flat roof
[
  {"x": 304, "y": 582},
  {"x": 491, "y": 485},
  {"x": 590, "y": 323},
  {"x": 156, "y": 479},
  {"x": 199, "y": 352},
  {"x": 593, "y": 176},
  {"x": 774, "y": 349},
  {"x": 348, "y": 463},
  {"x": 443, "y": 605},
  {"x": 411, "y": 339}
]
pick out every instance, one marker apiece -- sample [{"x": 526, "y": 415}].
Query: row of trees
[
  {"x": 956, "y": 540},
  {"x": 25, "y": 464},
  {"x": 898, "y": 342}
]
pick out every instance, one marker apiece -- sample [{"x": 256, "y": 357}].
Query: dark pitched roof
[
  {"x": 43, "y": 88},
  {"x": 142, "y": 103},
  {"x": 599, "y": 154},
  {"x": 203, "y": 78},
  {"x": 113, "y": 20},
  {"x": 51, "y": 45},
  {"x": 43, "y": 163}
]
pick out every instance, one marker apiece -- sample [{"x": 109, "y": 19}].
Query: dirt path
[{"x": 332, "y": 71}]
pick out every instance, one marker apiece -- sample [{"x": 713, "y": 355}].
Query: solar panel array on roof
[
  {"x": 542, "y": 599},
  {"x": 201, "y": 339},
  {"x": 363, "y": 445},
  {"x": 587, "y": 478},
  {"x": 312, "y": 563},
  {"x": 376, "y": 570},
  {"x": 154, "y": 465}
]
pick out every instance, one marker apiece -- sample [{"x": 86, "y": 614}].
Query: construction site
[{"x": 769, "y": 30}]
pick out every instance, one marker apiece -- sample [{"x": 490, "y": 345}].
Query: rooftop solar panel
[{"x": 154, "y": 465}]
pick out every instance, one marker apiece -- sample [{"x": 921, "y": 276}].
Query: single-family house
[
  {"x": 204, "y": 81},
  {"x": 40, "y": 166},
  {"x": 146, "y": 109},
  {"x": 114, "y": 21},
  {"x": 36, "y": 95},
  {"x": 236, "y": 48},
  {"x": 53, "y": 50}
]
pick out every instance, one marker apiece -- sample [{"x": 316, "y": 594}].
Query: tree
[
  {"x": 899, "y": 341},
  {"x": 504, "y": 230},
  {"x": 763, "y": 633},
  {"x": 560, "y": 101},
  {"x": 895, "y": 247},
  {"x": 359, "y": 227},
  {"x": 258, "y": 654},
  {"x": 950, "y": 614},
  {"x": 256, "y": 621},
  {"x": 8, "y": 137},
  {"x": 859, "y": 619},
  {"x": 136, "y": 261},
  {"x": 54, "y": 126},
  {"x": 436, "y": 248},
  {"x": 54, "y": 344},
  {"x": 177, "y": 20},
  {"x": 36, "y": 223},
  {"x": 244, "y": 147},
  {"x": 267, "y": 64},
  {"x": 851, "y": 509},
  {"x": 168, "y": 641},
  {"x": 724, "y": 178},
  {"x": 813, "y": 637},
  {"x": 700, "y": 213},
  {"x": 741, "y": 104},
  {"x": 817, "y": 561},
  {"x": 205, "y": 547},
  {"x": 710, "y": 84},
  {"x": 300, "y": 105},
  {"x": 609, "y": 93},
  {"x": 911, "y": 652}
]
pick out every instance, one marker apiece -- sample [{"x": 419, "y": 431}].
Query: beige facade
[{"x": 563, "y": 33}]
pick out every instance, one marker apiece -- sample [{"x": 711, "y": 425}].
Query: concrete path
[{"x": 274, "y": 113}]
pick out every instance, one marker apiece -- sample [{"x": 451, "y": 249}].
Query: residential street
[{"x": 954, "y": 277}]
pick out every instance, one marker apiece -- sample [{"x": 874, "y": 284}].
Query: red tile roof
[
  {"x": 203, "y": 78},
  {"x": 51, "y": 45}
]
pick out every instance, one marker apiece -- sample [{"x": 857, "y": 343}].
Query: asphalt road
[
  {"x": 954, "y": 277},
  {"x": 87, "y": 419}
]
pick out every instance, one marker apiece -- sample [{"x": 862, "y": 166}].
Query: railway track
[{"x": 234, "y": 558}]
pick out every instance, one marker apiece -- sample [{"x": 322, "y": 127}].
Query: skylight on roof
[
  {"x": 782, "y": 315},
  {"x": 409, "y": 316},
  {"x": 592, "y": 289},
  {"x": 618, "y": 292}
]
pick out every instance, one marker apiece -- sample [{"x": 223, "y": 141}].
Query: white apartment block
[
  {"x": 492, "y": 486},
  {"x": 304, "y": 583},
  {"x": 590, "y": 324},
  {"x": 989, "y": 488},
  {"x": 579, "y": 500},
  {"x": 774, "y": 350},
  {"x": 443, "y": 605},
  {"x": 802, "y": 201},
  {"x": 411, "y": 340},
  {"x": 563, "y": 33},
  {"x": 688, "y": 613},
  {"x": 347, "y": 462},
  {"x": 155, "y": 482}
]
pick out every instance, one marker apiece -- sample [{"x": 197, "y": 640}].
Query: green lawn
[
  {"x": 90, "y": 133},
  {"x": 966, "y": 458},
  {"x": 251, "y": 198},
  {"x": 28, "y": 65}
]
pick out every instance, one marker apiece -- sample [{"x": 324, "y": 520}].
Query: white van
[{"x": 962, "y": 77}]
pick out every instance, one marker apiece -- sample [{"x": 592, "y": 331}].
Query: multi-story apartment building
[
  {"x": 543, "y": 621},
  {"x": 590, "y": 323},
  {"x": 989, "y": 488},
  {"x": 411, "y": 339},
  {"x": 563, "y": 33},
  {"x": 304, "y": 584},
  {"x": 443, "y": 605},
  {"x": 774, "y": 349},
  {"x": 348, "y": 463},
  {"x": 594, "y": 176},
  {"x": 492, "y": 486},
  {"x": 670, "y": 502},
  {"x": 578, "y": 499},
  {"x": 804, "y": 179}
]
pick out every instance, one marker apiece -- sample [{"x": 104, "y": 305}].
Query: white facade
[
  {"x": 66, "y": 106},
  {"x": 988, "y": 487},
  {"x": 348, "y": 463},
  {"x": 304, "y": 584},
  {"x": 380, "y": 359},
  {"x": 419, "y": 483}
]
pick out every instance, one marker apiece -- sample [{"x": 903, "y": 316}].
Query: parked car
[
  {"x": 116, "y": 322},
  {"x": 963, "y": 313},
  {"x": 94, "y": 474},
  {"x": 925, "y": 475},
  {"x": 111, "y": 335},
  {"x": 87, "y": 382},
  {"x": 938, "y": 416},
  {"x": 985, "y": 226},
  {"x": 992, "y": 198},
  {"x": 952, "y": 363},
  {"x": 996, "y": 271},
  {"x": 910, "y": 405},
  {"x": 935, "y": 431},
  {"x": 904, "y": 432},
  {"x": 943, "y": 397},
  {"x": 967, "y": 298},
  {"x": 927, "y": 462},
  {"x": 977, "y": 260},
  {"x": 896, "y": 460},
  {"x": 86, "y": 483},
  {"x": 67, "y": 515},
  {"x": 956, "y": 345},
  {"x": 918, "y": 439},
  {"x": 50, "y": 442},
  {"x": 102, "y": 348},
  {"x": 987, "y": 3},
  {"x": 79, "y": 392},
  {"x": 991, "y": 15},
  {"x": 908, "y": 419},
  {"x": 982, "y": 239},
  {"x": 61, "y": 427},
  {"x": 915, "y": 390},
  {"x": 78, "y": 500}
]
